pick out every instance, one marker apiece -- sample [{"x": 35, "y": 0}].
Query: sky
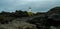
[{"x": 36, "y": 5}]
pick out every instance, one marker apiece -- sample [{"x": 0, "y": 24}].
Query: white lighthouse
[{"x": 30, "y": 12}]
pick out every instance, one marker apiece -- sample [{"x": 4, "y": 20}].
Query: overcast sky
[{"x": 36, "y": 5}]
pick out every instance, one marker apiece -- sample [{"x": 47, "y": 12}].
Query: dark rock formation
[
  {"x": 41, "y": 20},
  {"x": 51, "y": 18},
  {"x": 54, "y": 10}
]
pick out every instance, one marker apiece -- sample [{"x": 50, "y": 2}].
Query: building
[{"x": 30, "y": 12}]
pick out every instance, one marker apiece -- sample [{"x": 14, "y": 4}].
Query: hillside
[{"x": 21, "y": 19}]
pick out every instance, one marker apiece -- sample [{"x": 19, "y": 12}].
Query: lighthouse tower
[{"x": 30, "y": 12}]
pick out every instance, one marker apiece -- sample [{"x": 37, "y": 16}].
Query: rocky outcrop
[
  {"x": 18, "y": 25},
  {"x": 54, "y": 13},
  {"x": 51, "y": 18},
  {"x": 38, "y": 21},
  {"x": 54, "y": 10}
]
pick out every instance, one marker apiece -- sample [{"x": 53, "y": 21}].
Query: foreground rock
[{"x": 18, "y": 25}]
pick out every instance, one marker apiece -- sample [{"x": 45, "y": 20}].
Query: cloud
[{"x": 36, "y": 5}]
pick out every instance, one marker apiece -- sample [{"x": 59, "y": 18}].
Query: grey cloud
[{"x": 36, "y": 5}]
